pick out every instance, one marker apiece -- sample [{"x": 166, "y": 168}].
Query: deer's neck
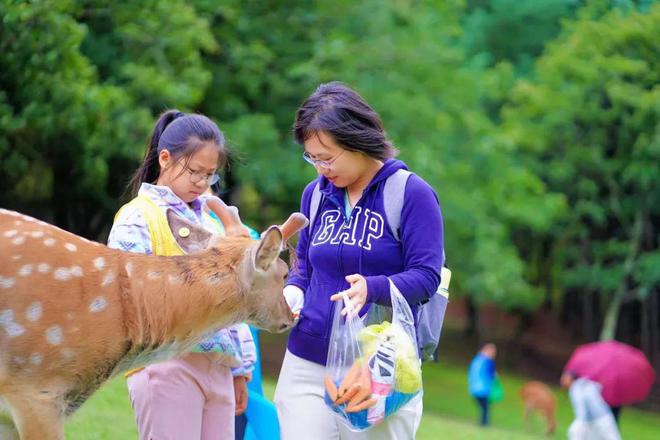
[{"x": 178, "y": 299}]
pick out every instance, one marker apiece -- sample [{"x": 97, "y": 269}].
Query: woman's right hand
[{"x": 295, "y": 298}]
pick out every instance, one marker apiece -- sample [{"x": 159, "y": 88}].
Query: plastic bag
[
  {"x": 496, "y": 391},
  {"x": 372, "y": 369}
]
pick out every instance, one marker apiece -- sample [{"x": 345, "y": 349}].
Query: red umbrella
[{"x": 623, "y": 371}]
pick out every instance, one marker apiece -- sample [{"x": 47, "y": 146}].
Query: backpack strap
[
  {"x": 393, "y": 195},
  {"x": 314, "y": 204}
]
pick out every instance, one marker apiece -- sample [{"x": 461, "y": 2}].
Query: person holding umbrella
[
  {"x": 614, "y": 373},
  {"x": 593, "y": 417},
  {"x": 623, "y": 372}
]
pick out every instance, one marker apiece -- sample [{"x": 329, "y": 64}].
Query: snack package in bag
[{"x": 372, "y": 368}]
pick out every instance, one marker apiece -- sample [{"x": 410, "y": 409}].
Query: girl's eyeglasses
[
  {"x": 325, "y": 164},
  {"x": 197, "y": 176}
]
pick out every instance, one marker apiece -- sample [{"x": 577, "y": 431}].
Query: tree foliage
[
  {"x": 589, "y": 125},
  {"x": 535, "y": 121}
]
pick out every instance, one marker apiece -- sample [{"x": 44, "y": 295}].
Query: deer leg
[
  {"x": 551, "y": 423},
  {"x": 37, "y": 418},
  {"x": 526, "y": 414}
]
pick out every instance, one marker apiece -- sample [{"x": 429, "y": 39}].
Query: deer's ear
[
  {"x": 269, "y": 248},
  {"x": 190, "y": 238}
]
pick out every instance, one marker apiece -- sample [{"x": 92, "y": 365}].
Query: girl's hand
[
  {"x": 228, "y": 215},
  {"x": 357, "y": 293},
  {"x": 237, "y": 231},
  {"x": 240, "y": 394}
]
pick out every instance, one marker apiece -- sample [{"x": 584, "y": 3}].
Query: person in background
[
  {"x": 481, "y": 376},
  {"x": 593, "y": 418},
  {"x": 197, "y": 395}
]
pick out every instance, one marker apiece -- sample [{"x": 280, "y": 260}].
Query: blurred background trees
[{"x": 535, "y": 120}]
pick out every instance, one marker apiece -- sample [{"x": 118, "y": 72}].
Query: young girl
[
  {"x": 350, "y": 247},
  {"x": 197, "y": 395}
]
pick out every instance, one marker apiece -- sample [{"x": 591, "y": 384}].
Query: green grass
[
  {"x": 446, "y": 395},
  {"x": 107, "y": 415},
  {"x": 448, "y": 412}
]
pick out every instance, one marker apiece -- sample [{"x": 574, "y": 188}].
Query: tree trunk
[
  {"x": 654, "y": 352},
  {"x": 588, "y": 315},
  {"x": 612, "y": 316},
  {"x": 645, "y": 334},
  {"x": 472, "y": 328}
]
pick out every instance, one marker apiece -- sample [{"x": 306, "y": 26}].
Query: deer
[
  {"x": 74, "y": 313},
  {"x": 537, "y": 397}
]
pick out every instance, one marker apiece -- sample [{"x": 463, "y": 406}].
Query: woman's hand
[
  {"x": 357, "y": 293},
  {"x": 241, "y": 394}
]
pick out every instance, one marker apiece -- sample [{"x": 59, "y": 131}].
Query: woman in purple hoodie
[{"x": 350, "y": 247}]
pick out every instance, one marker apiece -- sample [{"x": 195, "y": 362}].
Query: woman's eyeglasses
[{"x": 325, "y": 164}]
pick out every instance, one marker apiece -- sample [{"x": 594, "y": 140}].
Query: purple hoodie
[{"x": 336, "y": 246}]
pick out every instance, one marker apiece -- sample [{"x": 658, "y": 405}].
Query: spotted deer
[{"x": 73, "y": 313}]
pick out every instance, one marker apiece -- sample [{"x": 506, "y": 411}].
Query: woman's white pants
[{"x": 303, "y": 414}]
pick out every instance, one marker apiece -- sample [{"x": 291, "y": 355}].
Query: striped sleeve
[{"x": 243, "y": 338}]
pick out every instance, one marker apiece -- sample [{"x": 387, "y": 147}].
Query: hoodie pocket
[{"x": 315, "y": 315}]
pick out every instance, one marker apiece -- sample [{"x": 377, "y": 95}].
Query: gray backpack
[{"x": 431, "y": 313}]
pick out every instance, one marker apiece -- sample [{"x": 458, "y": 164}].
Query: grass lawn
[
  {"x": 446, "y": 396},
  {"x": 448, "y": 412}
]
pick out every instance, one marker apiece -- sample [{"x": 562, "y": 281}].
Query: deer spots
[
  {"x": 34, "y": 312},
  {"x": 175, "y": 279},
  {"x": 99, "y": 263},
  {"x": 43, "y": 268},
  {"x": 54, "y": 335},
  {"x": 11, "y": 327},
  {"x": 70, "y": 247},
  {"x": 76, "y": 271},
  {"x": 36, "y": 234},
  {"x": 129, "y": 268},
  {"x": 66, "y": 273},
  {"x": 98, "y": 304},
  {"x": 62, "y": 274},
  {"x": 67, "y": 353},
  {"x": 11, "y": 233},
  {"x": 25, "y": 270},
  {"x": 36, "y": 358},
  {"x": 108, "y": 278},
  {"x": 7, "y": 282},
  {"x": 19, "y": 240},
  {"x": 49, "y": 242},
  {"x": 153, "y": 275}
]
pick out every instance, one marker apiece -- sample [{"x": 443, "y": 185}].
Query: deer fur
[
  {"x": 73, "y": 313},
  {"x": 537, "y": 397}
]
